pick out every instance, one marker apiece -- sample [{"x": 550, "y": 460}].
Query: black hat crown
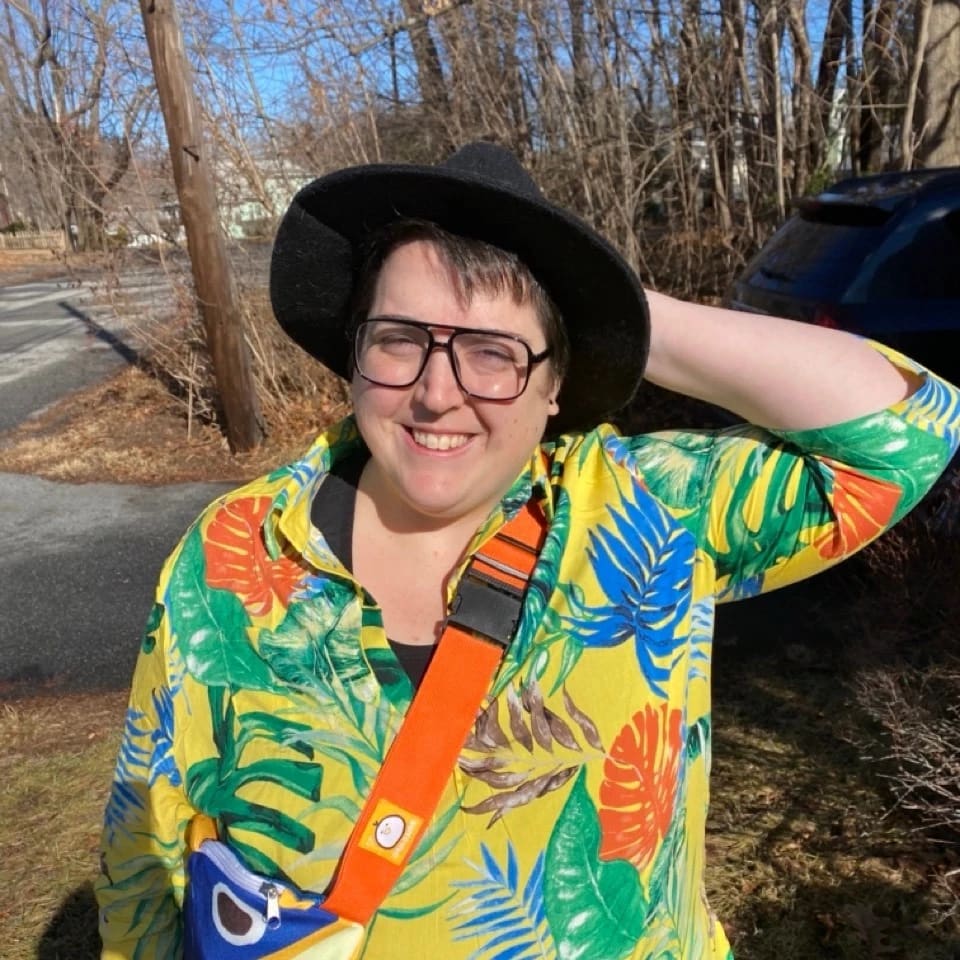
[{"x": 493, "y": 164}]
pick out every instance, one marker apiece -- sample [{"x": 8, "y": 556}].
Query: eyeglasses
[{"x": 487, "y": 366}]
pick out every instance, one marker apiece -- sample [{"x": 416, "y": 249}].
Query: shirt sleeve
[
  {"x": 783, "y": 505},
  {"x": 770, "y": 507},
  {"x": 140, "y": 888}
]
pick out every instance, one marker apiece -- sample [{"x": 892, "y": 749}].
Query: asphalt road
[
  {"x": 46, "y": 347},
  {"x": 78, "y": 568},
  {"x": 78, "y": 563}
]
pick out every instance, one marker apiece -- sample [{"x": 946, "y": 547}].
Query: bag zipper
[
  {"x": 248, "y": 881},
  {"x": 272, "y": 893}
]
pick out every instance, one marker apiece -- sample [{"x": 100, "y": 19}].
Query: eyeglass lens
[{"x": 394, "y": 353}]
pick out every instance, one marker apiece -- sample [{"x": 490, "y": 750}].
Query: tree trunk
[
  {"x": 921, "y": 38},
  {"x": 778, "y": 127},
  {"x": 940, "y": 83},
  {"x": 433, "y": 88},
  {"x": 802, "y": 98},
  {"x": 767, "y": 81},
  {"x": 578, "y": 56},
  {"x": 878, "y": 80},
  {"x": 835, "y": 35}
]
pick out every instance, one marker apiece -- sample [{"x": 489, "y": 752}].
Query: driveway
[
  {"x": 77, "y": 574},
  {"x": 79, "y": 562},
  {"x": 59, "y": 335}
]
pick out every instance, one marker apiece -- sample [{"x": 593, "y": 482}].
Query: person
[{"x": 487, "y": 335}]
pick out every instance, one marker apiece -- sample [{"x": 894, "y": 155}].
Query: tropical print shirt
[{"x": 266, "y": 693}]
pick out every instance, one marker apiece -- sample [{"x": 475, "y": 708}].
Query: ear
[{"x": 553, "y": 408}]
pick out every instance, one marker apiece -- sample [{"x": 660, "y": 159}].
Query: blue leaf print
[
  {"x": 934, "y": 408},
  {"x": 507, "y": 918},
  {"x": 161, "y": 762},
  {"x": 145, "y": 755},
  {"x": 701, "y": 637},
  {"x": 643, "y": 566},
  {"x": 749, "y": 586}
]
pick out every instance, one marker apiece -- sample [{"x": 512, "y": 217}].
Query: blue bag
[{"x": 231, "y": 913}]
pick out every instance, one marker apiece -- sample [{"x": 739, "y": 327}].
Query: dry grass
[
  {"x": 56, "y": 759},
  {"x": 806, "y": 858},
  {"x": 155, "y": 422},
  {"x": 22, "y": 266},
  {"x": 26, "y": 266},
  {"x": 130, "y": 429}
]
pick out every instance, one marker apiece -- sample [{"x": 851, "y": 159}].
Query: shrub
[
  {"x": 174, "y": 350},
  {"x": 918, "y": 711}
]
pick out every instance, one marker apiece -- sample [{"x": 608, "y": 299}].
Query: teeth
[{"x": 440, "y": 441}]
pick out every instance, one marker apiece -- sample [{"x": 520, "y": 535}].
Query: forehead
[{"x": 415, "y": 283}]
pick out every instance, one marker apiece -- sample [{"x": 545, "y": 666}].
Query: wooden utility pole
[{"x": 212, "y": 276}]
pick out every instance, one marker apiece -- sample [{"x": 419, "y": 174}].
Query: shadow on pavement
[{"x": 102, "y": 334}]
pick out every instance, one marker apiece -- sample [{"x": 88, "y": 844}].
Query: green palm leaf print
[
  {"x": 595, "y": 908},
  {"x": 206, "y": 623}
]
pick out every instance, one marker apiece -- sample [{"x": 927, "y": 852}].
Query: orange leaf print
[
  {"x": 237, "y": 560},
  {"x": 863, "y": 506},
  {"x": 639, "y": 788}
]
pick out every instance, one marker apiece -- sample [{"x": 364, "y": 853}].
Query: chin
[
  {"x": 439, "y": 508},
  {"x": 443, "y": 504}
]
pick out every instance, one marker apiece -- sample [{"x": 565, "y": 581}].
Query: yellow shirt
[{"x": 266, "y": 694}]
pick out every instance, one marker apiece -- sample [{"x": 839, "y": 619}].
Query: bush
[
  {"x": 175, "y": 352},
  {"x": 12, "y": 229},
  {"x": 918, "y": 712},
  {"x": 899, "y": 593}
]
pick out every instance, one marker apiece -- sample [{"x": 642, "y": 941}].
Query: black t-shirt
[{"x": 332, "y": 513}]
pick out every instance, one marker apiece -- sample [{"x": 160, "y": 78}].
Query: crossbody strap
[{"x": 481, "y": 624}]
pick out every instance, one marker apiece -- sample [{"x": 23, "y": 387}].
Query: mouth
[{"x": 439, "y": 441}]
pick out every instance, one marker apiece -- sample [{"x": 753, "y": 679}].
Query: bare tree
[
  {"x": 837, "y": 36},
  {"x": 922, "y": 38},
  {"x": 67, "y": 87},
  {"x": 676, "y": 120},
  {"x": 882, "y": 75}
]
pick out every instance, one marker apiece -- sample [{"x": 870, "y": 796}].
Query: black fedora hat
[{"x": 484, "y": 193}]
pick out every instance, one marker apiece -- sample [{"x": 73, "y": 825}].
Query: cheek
[
  {"x": 369, "y": 400},
  {"x": 524, "y": 428}
]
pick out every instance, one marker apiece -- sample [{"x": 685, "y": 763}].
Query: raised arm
[{"x": 772, "y": 372}]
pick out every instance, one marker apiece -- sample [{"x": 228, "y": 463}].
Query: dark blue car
[{"x": 877, "y": 255}]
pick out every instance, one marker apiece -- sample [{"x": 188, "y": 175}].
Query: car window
[
  {"x": 814, "y": 255},
  {"x": 920, "y": 261}
]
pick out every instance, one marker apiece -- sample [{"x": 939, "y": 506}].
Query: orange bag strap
[{"x": 482, "y": 621}]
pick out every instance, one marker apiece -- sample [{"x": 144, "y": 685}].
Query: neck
[{"x": 400, "y": 519}]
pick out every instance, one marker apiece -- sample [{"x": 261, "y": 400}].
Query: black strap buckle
[{"x": 486, "y": 607}]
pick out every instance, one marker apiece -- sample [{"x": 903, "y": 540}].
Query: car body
[{"x": 876, "y": 255}]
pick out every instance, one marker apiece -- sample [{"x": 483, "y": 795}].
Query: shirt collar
[{"x": 287, "y": 523}]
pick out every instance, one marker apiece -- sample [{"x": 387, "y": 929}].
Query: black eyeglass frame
[{"x": 433, "y": 344}]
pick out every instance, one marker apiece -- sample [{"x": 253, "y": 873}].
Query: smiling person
[{"x": 442, "y": 687}]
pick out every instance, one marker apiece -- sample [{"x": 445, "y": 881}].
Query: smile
[{"x": 439, "y": 441}]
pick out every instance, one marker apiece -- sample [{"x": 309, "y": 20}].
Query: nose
[{"x": 437, "y": 388}]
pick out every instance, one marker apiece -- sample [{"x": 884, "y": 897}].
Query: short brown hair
[{"x": 475, "y": 265}]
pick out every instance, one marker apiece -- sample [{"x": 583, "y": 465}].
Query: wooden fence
[{"x": 44, "y": 240}]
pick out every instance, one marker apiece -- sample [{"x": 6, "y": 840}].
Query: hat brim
[{"x": 600, "y": 299}]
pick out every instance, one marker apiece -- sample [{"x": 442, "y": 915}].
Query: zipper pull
[{"x": 272, "y": 894}]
